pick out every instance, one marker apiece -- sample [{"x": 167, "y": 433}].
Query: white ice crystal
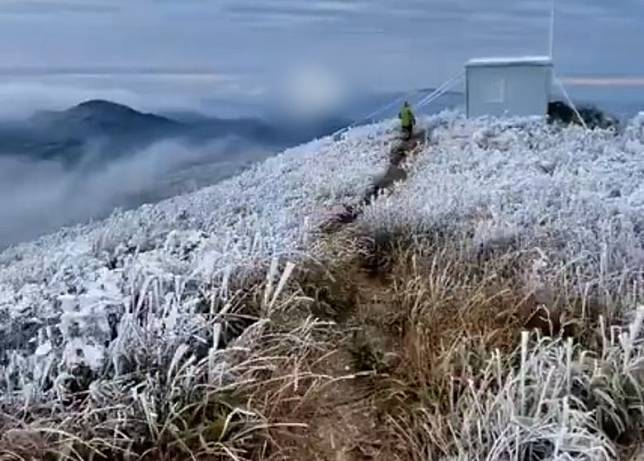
[
  {"x": 95, "y": 295},
  {"x": 92, "y": 290}
]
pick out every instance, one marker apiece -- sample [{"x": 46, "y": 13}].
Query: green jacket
[{"x": 406, "y": 116}]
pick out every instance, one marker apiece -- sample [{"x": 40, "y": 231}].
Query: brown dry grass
[
  {"x": 370, "y": 353},
  {"x": 429, "y": 317}
]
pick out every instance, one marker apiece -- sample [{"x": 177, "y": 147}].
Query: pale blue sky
[{"x": 240, "y": 48}]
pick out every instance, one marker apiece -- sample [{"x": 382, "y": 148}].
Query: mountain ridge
[
  {"x": 431, "y": 291},
  {"x": 99, "y": 110},
  {"x": 67, "y": 135}
]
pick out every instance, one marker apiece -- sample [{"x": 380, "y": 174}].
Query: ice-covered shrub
[
  {"x": 69, "y": 301},
  {"x": 549, "y": 399},
  {"x": 575, "y": 194},
  {"x": 131, "y": 307}
]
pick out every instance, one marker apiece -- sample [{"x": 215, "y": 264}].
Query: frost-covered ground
[
  {"x": 577, "y": 196},
  {"x": 69, "y": 299}
]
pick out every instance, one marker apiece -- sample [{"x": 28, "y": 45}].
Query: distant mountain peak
[
  {"x": 119, "y": 125},
  {"x": 102, "y": 104},
  {"x": 101, "y": 107},
  {"x": 103, "y": 114}
]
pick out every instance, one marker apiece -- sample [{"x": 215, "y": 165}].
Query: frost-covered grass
[
  {"x": 158, "y": 329},
  {"x": 470, "y": 381},
  {"x": 105, "y": 309},
  {"x": 574, "y": 199},
  {"x": 553, "y": 218},
  {"x": 66, "y": 299}
]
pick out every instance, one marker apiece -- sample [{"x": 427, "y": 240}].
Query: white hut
[{"x": 508, "y": 86}]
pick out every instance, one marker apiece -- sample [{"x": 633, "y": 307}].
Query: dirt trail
[
  {"x": 348, "y": 424},
  {"x": 347, "y": 428},
  {"x": 399, "y": 153}
]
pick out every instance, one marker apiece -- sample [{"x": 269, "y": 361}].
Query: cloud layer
[
  {"x": 220, "y": 56},
  {"x": 40, "y": 196},
  {"x": 378, "y": 42}
]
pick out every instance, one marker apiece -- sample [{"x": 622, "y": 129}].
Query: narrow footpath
[
  {"x": 401, "y": 151},
  {"x": 348, "y": 425}
]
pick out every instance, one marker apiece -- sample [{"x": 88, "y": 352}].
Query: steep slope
[
  {"x": 494, "y": 222},
  {"x": 267, "y": 211}
]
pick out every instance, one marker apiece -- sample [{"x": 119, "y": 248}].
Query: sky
[{"x": 174, "y": 53}]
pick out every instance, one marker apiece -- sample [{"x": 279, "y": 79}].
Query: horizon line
[
  {"x": 200, "y": 72},
  {"x": 604, "y": 81}
]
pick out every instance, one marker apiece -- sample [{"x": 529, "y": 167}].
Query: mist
[
  {"x": 21, "y": 96},
  {"x": 38, "y": 197}
]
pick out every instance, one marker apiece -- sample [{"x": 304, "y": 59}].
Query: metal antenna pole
[{"x": 552, "y": 29}]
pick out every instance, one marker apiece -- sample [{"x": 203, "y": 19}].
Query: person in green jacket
[{"x": 407, "y": 121}]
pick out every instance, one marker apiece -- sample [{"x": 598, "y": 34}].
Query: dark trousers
[{"x": 407, "y": 132}]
